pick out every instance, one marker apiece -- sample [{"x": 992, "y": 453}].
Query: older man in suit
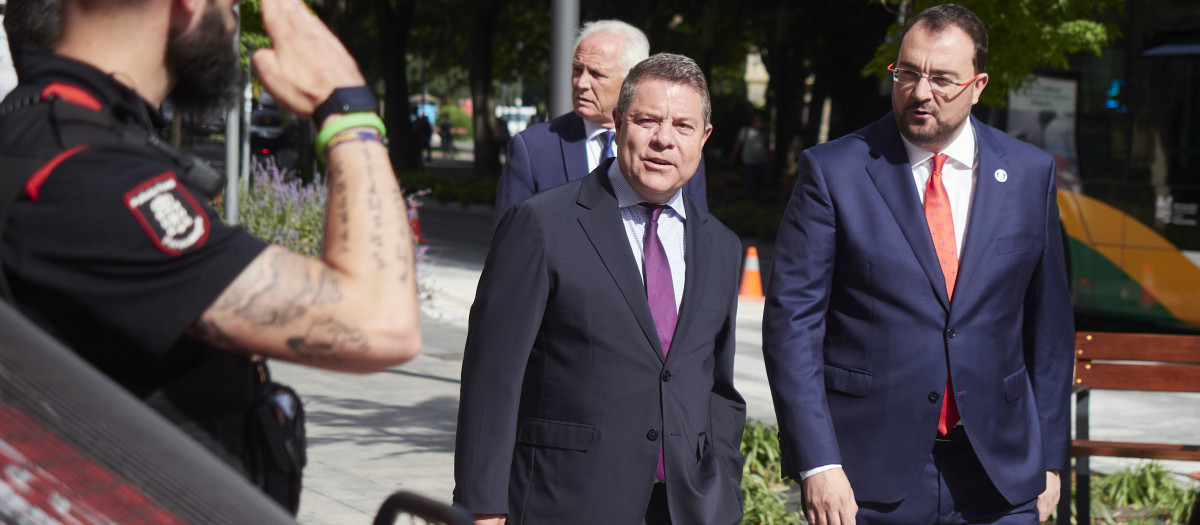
[
  {"x": 572, "y": 145},
  {"x": 597, "y": 384},
  {"x": 918, "y": 330}
]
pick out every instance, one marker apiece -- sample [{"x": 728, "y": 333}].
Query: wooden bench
[{"x": 1125, "y": 361}]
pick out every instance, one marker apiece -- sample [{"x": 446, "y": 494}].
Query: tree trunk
[
  {"x": 395, "y": 22},
  {"x": 483, "y": 30},
  {"x": 785, "y": 88}
]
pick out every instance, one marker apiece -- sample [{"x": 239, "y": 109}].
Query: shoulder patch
[{"x": 168, "y": 213}]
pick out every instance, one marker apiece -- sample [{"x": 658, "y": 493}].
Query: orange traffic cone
[
  {"x": 414, "y": 221},
  {"x": 751, "y": 280}
]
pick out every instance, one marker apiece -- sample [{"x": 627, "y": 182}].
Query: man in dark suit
[
  {"x": 913, "y": 384},
  {"x": 572, "y": 145},
  {"x": 597, "y": 383}
]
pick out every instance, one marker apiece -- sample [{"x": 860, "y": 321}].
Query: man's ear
[
  {"x": 616, "y": 120},
  {"x": 186, "y": 14},
  {"x": 979, "y": 84}
]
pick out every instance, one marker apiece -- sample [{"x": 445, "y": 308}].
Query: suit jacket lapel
[
  {"x": 892, "y": 175},
  {"x": 988, "y": 205},
  {"x": 698, "y": 254},
  {"x": 602, "y": 224},
  {"x": 574, "y": 149}
]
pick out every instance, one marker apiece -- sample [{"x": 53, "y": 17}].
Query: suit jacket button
[
  {"x": 652, "y": 435},
  {"x": 666, "y": 376},
  {"x": 934, "y": 397},
  {"x": 951, "y": 333}
]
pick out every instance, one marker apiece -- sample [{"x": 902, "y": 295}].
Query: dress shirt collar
[
  {"x": 626, "y": 197},
  {"x": 592, "y": 130},
  {"x": 961, "y": 150}
]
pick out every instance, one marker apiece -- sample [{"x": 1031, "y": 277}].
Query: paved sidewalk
[{"x": 373, "y": 435}]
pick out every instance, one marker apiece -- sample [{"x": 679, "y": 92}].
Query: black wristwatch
[{"x": 346, "y": 100}]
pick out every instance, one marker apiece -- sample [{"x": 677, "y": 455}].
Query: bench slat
[
  {"x": 1085, "y": 447},
  {"x": 1125, "y": 376},
  {"x": 1139, "y": 347}
]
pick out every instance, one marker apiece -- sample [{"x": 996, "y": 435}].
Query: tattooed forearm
[
  {"x": 375, "y": 205},
  {"x": 328, "y": 340},
  {"x": 405, "y": 264},
  {"x": 328, "y": 290},
  {"x": 343, "y": 212},
  {"x": 279, "y": 289}
]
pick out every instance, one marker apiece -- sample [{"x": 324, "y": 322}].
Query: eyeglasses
[{"x": 939, "y": 85}]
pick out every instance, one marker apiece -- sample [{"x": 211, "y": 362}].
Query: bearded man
[
  {"x": 108, "y": 243},
  {"x": 918, "y": 331}
]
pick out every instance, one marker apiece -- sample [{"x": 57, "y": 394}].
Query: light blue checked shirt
[{"x": 670, "y": 228}]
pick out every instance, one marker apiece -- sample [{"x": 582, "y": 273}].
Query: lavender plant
[
  {"x": 281, "y": 209},
  {"x": 278, "y": 207}
]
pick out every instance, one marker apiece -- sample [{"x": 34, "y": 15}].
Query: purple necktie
[
  {"x": 606, "y": 145},
  {"x": 660, "y": 293}
]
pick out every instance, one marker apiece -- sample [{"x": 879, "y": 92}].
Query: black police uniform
[{"x": 110, "y": 249}]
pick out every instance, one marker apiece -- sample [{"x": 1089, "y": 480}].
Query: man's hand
[
  {"x": 1048, "y": 499},
  {"x": 828, "y": 498},
  {"x": 490, "y": 519},
  {"x": 305, "y": 62}
]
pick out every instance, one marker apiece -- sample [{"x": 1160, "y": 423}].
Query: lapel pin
[{"x": 1001, "y": 175}]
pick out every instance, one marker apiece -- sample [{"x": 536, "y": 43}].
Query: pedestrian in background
[
  {"x": 750, "y": 149},
  {"x": 569, "y": 147}
]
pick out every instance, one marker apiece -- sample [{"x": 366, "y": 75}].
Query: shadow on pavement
[{"x": 425, "y": 427}]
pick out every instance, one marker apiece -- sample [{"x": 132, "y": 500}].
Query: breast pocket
[{"x": 1017, "y": 243}]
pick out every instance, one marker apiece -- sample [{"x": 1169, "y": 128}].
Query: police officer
[{"x": 109, "y": 245}]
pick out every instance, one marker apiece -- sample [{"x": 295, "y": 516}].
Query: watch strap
[{"x": 346, "y": 100}]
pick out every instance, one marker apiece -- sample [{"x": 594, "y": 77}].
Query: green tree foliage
[
  {"x": 252, "y": 34},
  {"x": 1023, "y": 35}
]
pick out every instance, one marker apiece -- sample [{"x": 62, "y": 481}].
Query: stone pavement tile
[{"x": 372, "y": 435}]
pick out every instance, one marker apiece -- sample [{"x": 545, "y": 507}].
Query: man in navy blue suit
[
  {"x": 572, "y": 145},
  {"x": 918, "y": 330}
]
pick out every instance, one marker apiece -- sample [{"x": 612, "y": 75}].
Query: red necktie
[{"x": 941, "y": 228}]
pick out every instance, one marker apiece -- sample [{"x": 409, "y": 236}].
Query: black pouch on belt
[{"x": 277, "y": 440}]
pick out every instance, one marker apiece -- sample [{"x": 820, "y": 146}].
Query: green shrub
[
  {"x": 281, "y": 209},
  {"x": 458, "y": 118},
  {"x": 1147, "y": 490},
  {"x": 763, "y": 492}
]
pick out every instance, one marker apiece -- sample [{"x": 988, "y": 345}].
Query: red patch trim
[
  {"x": 72, "y": 94},
  {"x": 33, "y": 185},
  {"x": 136, "y": 202}
]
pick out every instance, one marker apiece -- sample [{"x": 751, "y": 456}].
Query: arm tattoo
[
  {"x": 280, "y": 290},
  {"x": 328, "y": 340},
  {"x": 376, "y": 206},
  {"x": 344, "y": 210}
]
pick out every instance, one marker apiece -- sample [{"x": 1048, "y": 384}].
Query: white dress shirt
[
  {"x": 958, "y": 176},
  {"x": 594, "y": 142},
  {"x": 670, "y": 229}
]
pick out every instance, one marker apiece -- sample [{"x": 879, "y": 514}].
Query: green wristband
[{"x": 345, "y": 122}]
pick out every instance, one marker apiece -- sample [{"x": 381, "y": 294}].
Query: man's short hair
[
  {"x": 636, "y": 49},
  {"x": 33, "y": 22},
  {"x": 676, "y": 69},
  {"x": 937, "y": 18}
]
